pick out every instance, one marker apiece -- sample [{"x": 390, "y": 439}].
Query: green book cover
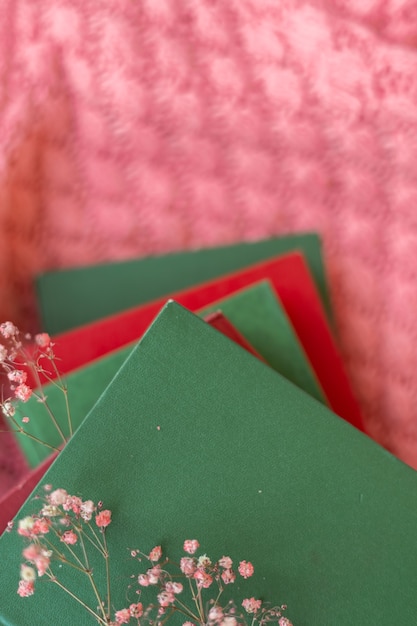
[
  {"x": 196, "y": 438},
  {"x": 109, "y": 288},
  {"x": 258, "y": 314}
]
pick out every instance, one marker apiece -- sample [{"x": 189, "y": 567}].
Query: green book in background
[
  {"x": 258, "y": 314},
  {"x": 196, "y": 438},
  {"x": 113, "y": 287}
]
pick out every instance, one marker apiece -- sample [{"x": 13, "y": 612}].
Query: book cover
[
  {"x": 258, "y": 314},
  {"x": 195, "y": 438},
  {"x": 109, "y": 288}
]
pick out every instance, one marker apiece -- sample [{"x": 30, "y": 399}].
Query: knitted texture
[{"x": 131, "y": 127}]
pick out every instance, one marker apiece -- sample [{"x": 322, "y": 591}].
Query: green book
[
  {"x": 109, "y": 288},
  {"x": 258, "y": 314},
  {"x": 197, "y": 439}
]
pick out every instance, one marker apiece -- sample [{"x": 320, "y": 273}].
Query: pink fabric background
[{"x": 130, "y": 127}]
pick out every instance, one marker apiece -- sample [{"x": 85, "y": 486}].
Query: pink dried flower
[
  {"x": 191, "y": 545},
  {"x": 38, "y": 556},
  {"x": 58, "y": 497},
  {"x": 17, "y": 376},
  {"x": 187, "y": 566},
  {"x": 103, "y": 519},
  {"x": 226, "y": 562},
  {"x": 26, "y": 588},
  {"x": 23, "y": 392},
  {"x": 25, "y": 420},
  {"x": 69, "y": 537},
  {"x": 188, "y": 624},
  {"x": 41, "y": 526},
  {"x": 136, "y": 610},
  {"x": 3, "y": 353},
  {"x": 27, "y": 573},
  {"x": 42, "y": 340},
  {"x": 73, "y": 503},
  {"x": 8, "y": 408},
  {"x": 87, "y": 510},
  {"x": 153, "y": 574},
  {"x": 203, "y": 579},
  {"x": 143, "y": 580},
  {"x": 31, "y": 552},
  {"x": 25, "y": 526},
  {"x": 203, "y": 561},
  {"x": 123, "y": 616},
  {"x": 246, "y": 569},
  {"x": 155, "y": 554},
  {"x": 50, "y": 510},
  {"x": 165, "y": 598},
  {"x": 251, "y": 605},
  {"x": 229, "y": 620},
  {"x": 228, "y": 576},
  {"x": 215, "y": 614},
  {"x": 172, "y": 587},
  {"x": 8, "y": 329},
  {"x": 284, "y": 621}
]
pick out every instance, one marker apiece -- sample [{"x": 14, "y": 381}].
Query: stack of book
[{"x": 209, "y": 399}]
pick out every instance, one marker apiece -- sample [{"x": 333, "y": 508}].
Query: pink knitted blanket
[{"x": 130, "y": 127}]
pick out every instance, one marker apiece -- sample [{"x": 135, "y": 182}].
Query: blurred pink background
[{"x": 131, "y": 127}]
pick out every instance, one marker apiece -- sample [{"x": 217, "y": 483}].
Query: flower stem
[
  {"x": 97, "y": 617},
  {"x": 106, "y": 557},
  {"x": 90, "y": 577}
]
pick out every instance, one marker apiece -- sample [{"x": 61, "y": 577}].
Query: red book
[
  {"x": 291, "y": 279},
  {"x": 219, "y": 321}
]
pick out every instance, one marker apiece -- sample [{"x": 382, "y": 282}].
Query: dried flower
[
  {"x": 191, "y": 545},
  {"x": 27, "y": 573},
  {"x": 17, "y": 376},
  {"x": 245, "y": 569},
  {"x": 23, "y": 392},
  {"x": 173, "y": 587},
  {"x": 153, "y": 574},
  {"x": 215, "y": 614},
  {"x": 226, "y": 562},
  {"x": 284, "y": 621},
  {"x": 203, "y": 578},
  {"x": 251, "y": 605},
  {"x": 25, "y": 526},
  {"x": 228, "y": 576},
  {"x": 103, "y": 519},
  {"x": 123, "y": 616},
  {"x": 155, "y": 554},
  {"x": 43, "y": 340},
  {"x": 166, "y": 598},
  {"x": 136, "y": 610},
  {"x": 188, "y": 566},
  {"x": 25, "y": 588},
  {"x": 8, "y": 408},
  {"x": 69, "y": 537},
  {"x": 8, "y": 329},
  {"x": 58, "y": 497}
]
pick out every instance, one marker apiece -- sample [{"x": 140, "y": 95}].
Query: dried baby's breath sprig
[
  {"x": 66, "y": 529},
  {"x": 28, "y": 363}
]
